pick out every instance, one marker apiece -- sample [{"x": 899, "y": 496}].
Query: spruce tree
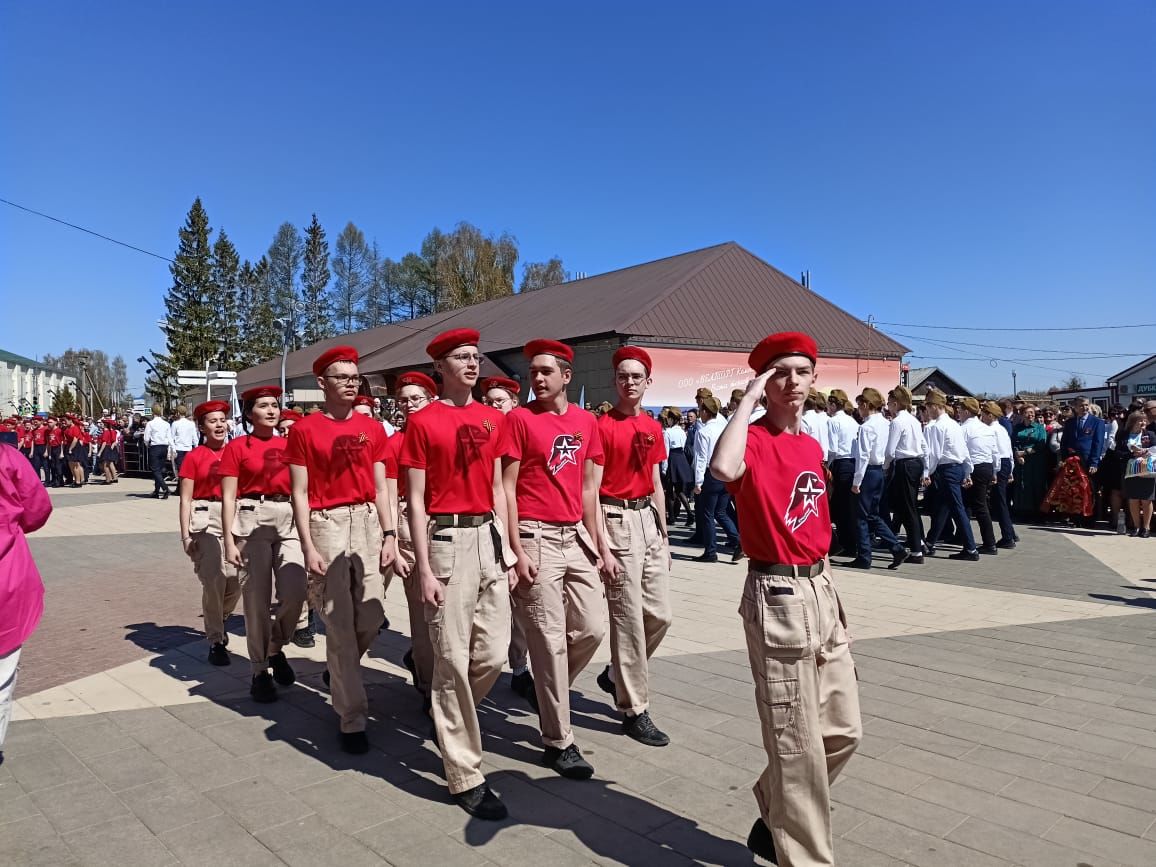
[
  {"x": 223, "y": 301},
  {"x": 191, "y": 338},
  {"x": 350, "y": 262},
  {"x": 262, "y": 333},
  {"x": 284, "y": 264},
  {"x": 316, "y": 323}
]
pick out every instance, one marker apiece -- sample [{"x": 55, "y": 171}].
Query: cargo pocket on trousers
[
  {"x": 790, "y": 734},
  {"x": 617, "y": 531},
  {"x": 244, "y": 520},
  {"x": 786, "y": 626},
  {"x": 199, "y": 519},
  {"x": 441, "y": 555}
]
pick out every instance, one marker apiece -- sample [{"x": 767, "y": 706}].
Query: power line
[
  {"x": 986, "y": 328},
  {"x": 1081, "y": 353},
  {"x": 89, "y": 231}
]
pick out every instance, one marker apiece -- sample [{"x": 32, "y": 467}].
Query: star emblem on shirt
[{"x": 804, "y": 499}]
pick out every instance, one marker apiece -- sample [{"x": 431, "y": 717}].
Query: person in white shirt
[
  {"x": 158, "y": 439},
  {"x": 841, "y": 432},
  {"x": 990, "y": 414},
  {"x": 906, "y": 450},
  {"x": 948, "y": 465},
  {"x": 816, "y": 422},
  {"x": 676, "y": 468},
  {"x": 711, "y": 498},
  {"x": 870, "y": 451},
  {"x": 981, "y": 446},
  {"x": 185, "y": 437}
]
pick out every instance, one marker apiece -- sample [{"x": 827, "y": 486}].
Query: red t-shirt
[
  {"x": 553, "y": 450},
  {"x": 203, "y": 466},
  {"x": 783, "y": 515},
  {"x": 108, "y": 437},
  {"x": 73, "y": 433},
  {"x": 26, "y": 439},
  {"x": 55, "y": 437},
  {"x": 393, "y": 461},
  {"x": 38, "y": 436},
  {"x": 457, "y": 447},
  {"x": 260, "y": 466},
  {"x": 632, "y": 444},
  {"x": 339, "y": 456}
]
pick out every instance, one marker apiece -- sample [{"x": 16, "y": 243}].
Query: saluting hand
[{"x": 758, "y": 385}]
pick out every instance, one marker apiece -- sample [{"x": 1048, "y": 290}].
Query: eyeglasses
[
  {"x": 497, "y": 401},
  {"x": 413, "y": 398},
  {"x": 469, "y": 358},
  {"x": 630, "y": 377},
  {"x": 345, "y": 378}
]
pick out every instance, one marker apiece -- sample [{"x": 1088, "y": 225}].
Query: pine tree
[
  {"x": 262, "y": 333},
  {"x": 284, "y": 263},
  {"x": 191, "y": 339},
  {"x": 223, "y": 301},
  {"x": 350, "y": 262},
  {"x": 377, "y": 307},
  {"x": 315, "y": 320},
  {"x": 63, "y": 402}
]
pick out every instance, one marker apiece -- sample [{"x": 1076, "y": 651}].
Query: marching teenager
[
  {"x": 77, "y": 452},
  {"x": 796, "y": 630},
  {"x": 635, "y": 547},
  {"x": 261, "y": 540},
  {"x": 841, "y": 432},
  {"x": 109, "y": 449},
  {"x": 948, "y": 467},
  {"x": 867, "y": 485},
  {"x": 414, "y": 393},
  {"x": 200, "y": 522},
  {"x": 982, "y": 446},
  {"x": 549, "y": 455},
  {"x": 502, "y": 394},
  {"x": 906, "y": 450},
  {"x": 462, "y": 559},
  {"x": 54, "y": 457},
  {"x": 344, "y": 520},
  {"x": 992, "y": 415}
]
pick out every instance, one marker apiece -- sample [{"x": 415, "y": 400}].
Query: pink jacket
[{"x": 24, "y": 507}]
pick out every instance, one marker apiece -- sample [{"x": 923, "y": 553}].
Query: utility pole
[{"x": 1015, "y": 391}]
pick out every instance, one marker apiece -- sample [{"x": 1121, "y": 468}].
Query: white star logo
[
  {"x": 565, "y": 448},
  {"x": 804, "y": 499}
]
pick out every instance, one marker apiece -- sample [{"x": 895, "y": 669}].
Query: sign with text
[{"x": 679, "y": 373}]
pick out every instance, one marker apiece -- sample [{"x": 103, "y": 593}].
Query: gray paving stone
[
  {"x": 905, "y": 809},
  {"x": 934, "y": 742},
  {"x": 705, "y": 843},
  {"x": 847, "y": 852},
  {"x": 1084, "y": 807},
  {"x": 1104, "y": 842},
  {"x": 919, "y": 849},
  {"x": 97, "y": 739},
  {"x": 1018, "y": 847},
  {"x": 882, "y": 773},
  {"x": 944, "y": 768},
  {"x": 124, "y": 841},
  {"x": 78, "y": 804},
  {"x": 347, "y": 805},
  {"x": 609, "y": 844},
  {"x": 209, "y": 767},
  {"x": 528, "y": 846},
  {"x": 127, "y": 768},
  {"x": 43, "y": 770},
  {"x": 33, "y": 842},
  {"x": 1000, "y": 811},
  {"x": 1058, "y": 736},
  {"x": 398, "y": 834},
  {"x": 15, "y": 809},
  {"x": 218, "y": 840},
  {"x": 312, "y": 841},
  {"x": 1048, "y": 771},
  {"x": 1004, "y": 740},
  {"x": 1140, "y": 797},
  {"x": 168, "y": 803},
  {"x": 678, "y": 760},
  {"x": 163, "y": 735},
  {"x": 257, "y": 804},
  {"x": 440, "y": 850},
  {"x": 288, "y": 768}
]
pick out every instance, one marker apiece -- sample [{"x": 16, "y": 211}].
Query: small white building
[
  {"x": 27, "y": 386},
  {"x": 1138, "y": 381}
]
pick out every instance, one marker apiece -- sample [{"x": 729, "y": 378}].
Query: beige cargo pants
[
  {"x": 562, "y": 617},
  {"x": 423, "y": 655},
  {"x": 349, "y": 598},
  {"x": 469, "y": 633},
  {"x": 808, "y": 703},
  {"x": 220, "y": 589},
  {"x": 638, "y": 599},
  {"x": 271, "y": 552}
]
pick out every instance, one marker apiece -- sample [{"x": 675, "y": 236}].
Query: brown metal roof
[{"x": 719, "y": 297}]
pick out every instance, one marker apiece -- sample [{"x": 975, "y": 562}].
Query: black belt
[
  {"x": 462, "y": 520},
  {"x": 638, "y": 503},
  {"x": 762, "y": 567},
  {"x": 267, "y": 498},
  {"x": 836, "y": 460}
]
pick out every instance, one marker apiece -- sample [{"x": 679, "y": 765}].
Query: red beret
[
  {"x": 509, "y": 385},
  {"x": 363, "y": 400},
  {"x": 252, "y": 394},
  {"x": 209, "y": 406},
  {"x": 419, "y": 379},
  {"x": 632, "y": 353},
  {"x": 291, "y": 415},
  {"x": 448, "y": 341},
  {"x": 775, "y": 346},
  {"x": 333, "y": 355},
  {"x": 541, "y": 346}
]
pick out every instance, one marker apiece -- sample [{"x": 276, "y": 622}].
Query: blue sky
[{"x": 987, "y": 164}]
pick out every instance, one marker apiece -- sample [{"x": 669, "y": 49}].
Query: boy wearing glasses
[
  {"x": 342, "y": 513},
  {"x": 635, "y": 549},
  {"x": 462, "y": 559}
]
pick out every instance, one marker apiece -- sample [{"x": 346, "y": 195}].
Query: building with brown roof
[{"x": 697, "y": 313}]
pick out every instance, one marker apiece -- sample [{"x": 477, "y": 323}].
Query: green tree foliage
[
  {"x": 63, "y": 402},
  {"x": 119, "y": 381},
  {"x": 415, "y": 297},
  {"x": 1072, "y": 383},
  {"x": 284, "y": 256},
  {"x": 261, "y": 333},
  {"x": 316, "y": 323},
  {"x": 539, "y": 275},
  {"x": 93, "y": 371},
  {"x": 351, "y": 277},
  {"x": 473, "y": 267},
  {"x": 224, "y": 289},
  {"x": 377, "y": 307},
  {"x": 191, "y": 337}
]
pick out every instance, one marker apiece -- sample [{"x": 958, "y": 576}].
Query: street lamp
[
  {"x": 160, "y": 379},
  {"x": 82, "y": 360}
]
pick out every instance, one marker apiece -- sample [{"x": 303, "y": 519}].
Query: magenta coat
[{"x": 24, "y": 507}]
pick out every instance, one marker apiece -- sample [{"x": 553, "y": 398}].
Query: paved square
[{"x": 1009, "y": 710}]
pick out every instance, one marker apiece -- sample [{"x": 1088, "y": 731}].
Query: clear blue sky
[{"x": 990, "y": 163}]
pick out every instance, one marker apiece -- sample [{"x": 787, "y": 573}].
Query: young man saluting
[
  {"x": 635, "y": 551},
  {"x": 342, "y": 513},
  {"x": 453, "y": 472},
  {"x": 796, "y": 633},
  {"x": 549, "y": 458}
]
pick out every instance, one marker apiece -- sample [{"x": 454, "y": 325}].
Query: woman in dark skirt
[
  {"x": 679, "y": 479},
  {"x": 1140, "y": 491}
]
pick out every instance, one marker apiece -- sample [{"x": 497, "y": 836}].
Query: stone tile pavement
[{"x": 1009, "y": 709}]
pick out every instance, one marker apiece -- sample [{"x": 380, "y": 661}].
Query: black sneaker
[
  {"x": 218, "y": 655},
  {"x": 737, "y": 555},
  {"x": 262, "y": 688},
  {"x": 643, "y": 730},
  {"x": 481, "y": 803},
  {"x": 523, "y": 685},
  {"x": 282, "y": 670},
  {"x": 964, "y": 555},
  {"x": 898, "y": 555},
  {"x": 304, "y": 638},
  {"x": 606, "y": 684},
  {"x": 325, "y": 678},
  {"x": 857, "y": 563},
  {"x": 354, "y": 742},
  {"x": 1005, "y": 543},
  {"x": 568, "y": 762},
  {"x": 917, "y": 559},
  {"x": 991, "y": 550},
  {"x": 706, "y": 558},
  {"x": 760, "y": 842}
]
